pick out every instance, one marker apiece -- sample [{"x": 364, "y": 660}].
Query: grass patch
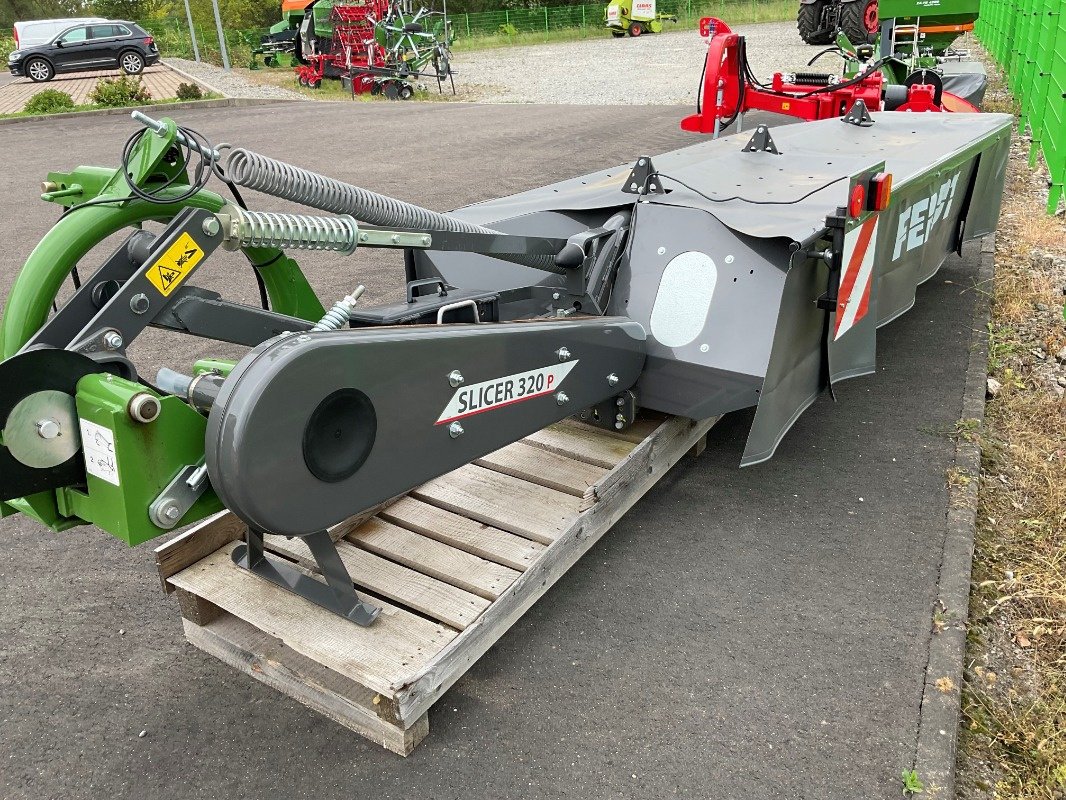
[
  {"x": 1013, "y": 744},
  {"x": 94, "y": 107}
]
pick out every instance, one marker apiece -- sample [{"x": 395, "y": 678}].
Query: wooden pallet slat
[
  {"x": 536, "y": 465},
  {"x": 464, "y": 533},
  {"x": 453, "y": 565},
  {"x": 530, "y": 510},
  {"x": 426, "y": 555}
]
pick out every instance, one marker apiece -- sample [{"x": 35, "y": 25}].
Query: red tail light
[
  {"x": 148, "y": 42},
  {"x": 857, "y": 204}
]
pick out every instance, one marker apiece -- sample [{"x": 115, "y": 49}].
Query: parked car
[
  {"x": 41, "y": 31},
  {"x": 106, "y": 45}
]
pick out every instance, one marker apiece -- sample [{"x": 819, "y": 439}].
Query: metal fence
[
  {"x": 172, "y": 33},
  {"x": 1027, "y": 38}
]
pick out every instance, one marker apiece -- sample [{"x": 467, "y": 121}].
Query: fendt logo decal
[
  {"x": 506, "y": 391},
  {"x": 916, "y": 222}
]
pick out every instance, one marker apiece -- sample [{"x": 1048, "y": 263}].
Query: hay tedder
[
  {"x": 737, "y": 272},
  {"x": 375, "y": 46}
]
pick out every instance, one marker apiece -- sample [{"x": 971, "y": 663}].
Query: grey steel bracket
[
  {"x": 203, "y": 313},
  {"x": 179, "y": 496},
  {"x": 761, "y": 142},
  {"x": 643, "y": 178},
  {"x": 86, "y": 303},
  {"x": 614, "y": 414},
  {"x": 337, "y": 594},
  {"x": 858, "y": 115}
]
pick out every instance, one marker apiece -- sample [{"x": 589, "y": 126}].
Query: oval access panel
[{"x": 683, "y": 299}]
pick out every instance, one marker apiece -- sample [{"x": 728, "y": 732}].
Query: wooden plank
[
  {"x": 376, "y": 656},
  {"x": 645, "y": 425},
  {"x": 464, "y": 533},
  {"x": 434, "y": 558},
  {"x": 583, "y": 443},
  {"x": 533, "y": 511},
  {"x": 647, "y": 463},
  {"x": 196, "y": 543},
  {"x": 427, "y": 595},
  {"x": 268, "y": 660},
  {"x": 543, "y": 467}
]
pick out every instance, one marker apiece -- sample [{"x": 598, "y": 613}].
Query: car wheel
[
  {"x": 40, "y": 70},
  {"x": 132, "y": 62}
]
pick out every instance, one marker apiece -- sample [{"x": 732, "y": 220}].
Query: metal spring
[
  {"x": 270, "y": 176},
  {"x": 338, "y": 316},
  {"x": 297, "y": 231}
]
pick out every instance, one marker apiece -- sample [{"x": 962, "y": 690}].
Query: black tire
[
  {"x": 617, "y": 34},
  {"x": 314, "y": 83},
  {"x": 809, "y": 21},
  {"x": 131, "y": 62},
  {"x": 856, "y": 19},
  {"x": 405, "y": 92},
  {"x": 635, "y": 29},
  {"x": 39, "y": 70}
]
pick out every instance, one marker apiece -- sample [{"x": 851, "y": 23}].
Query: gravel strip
[
  {"x": 231, "y": 84},
  {"x": 659, "y": 69}
]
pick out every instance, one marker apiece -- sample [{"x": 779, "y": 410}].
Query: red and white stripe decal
[{"x": 853, "y": 297}]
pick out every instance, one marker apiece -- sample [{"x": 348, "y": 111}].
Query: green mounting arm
[{"x": 80, "y": 230}]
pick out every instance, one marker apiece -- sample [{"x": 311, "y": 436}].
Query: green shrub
[
  {"x": 189, "y": 91},
  {"x": 507, "y": 29},
  {"x": 122, "y": 91},
  {"x": 50, "y": 101}
]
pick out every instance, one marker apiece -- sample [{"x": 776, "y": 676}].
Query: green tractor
[
  {"x": 819, "y": 20},
  {"x": 635, "y": 17}
]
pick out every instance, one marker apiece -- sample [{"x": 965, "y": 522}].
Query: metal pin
[
  {"x": 455, "y": 430},
  {"x": 455, "y": 378},
  {"x": 563, "y": 354},
  {"x": 561, "y": 398}
]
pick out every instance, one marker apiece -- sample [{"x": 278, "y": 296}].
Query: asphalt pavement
[{"x": 757, "y": 633}]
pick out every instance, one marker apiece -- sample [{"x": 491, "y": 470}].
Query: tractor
[{"x": 819, "y": 20}]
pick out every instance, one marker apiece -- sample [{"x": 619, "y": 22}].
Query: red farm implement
[
  {"x": 730, "y": 88},
  {"x": 353, "y": 51}
]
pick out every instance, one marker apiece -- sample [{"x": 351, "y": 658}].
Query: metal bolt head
[
  {"x": 211, "y": 226},
  {"x": 172, "y": 512},
  {"x": 113, "y": 340},
  {"x": 455, "y": 378},
  {"x": 556, "y": 295},
  {"x": 561, "y": 398},
  {"x": 426, "y": 241},
  {"x": 563, "y": 354},
  {"x": 364, "y": 237},
  {"x": 620, "y": 401},
  {"x": 661, "y": 251},
  {"x": 48, "y": 428},
  {"x": 395, "y": 239},
  {"x": 619, "y": 425},
  {"x": 612, "y": 380},
  {"x": 455, "y": 430},
  {"x": 139, "y": 303}
]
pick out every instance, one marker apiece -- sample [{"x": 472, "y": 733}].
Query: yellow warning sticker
[{"x": 177, "y": 262}]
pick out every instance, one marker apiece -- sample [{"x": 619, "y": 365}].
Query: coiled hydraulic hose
[{"x": 278, "y": 179}]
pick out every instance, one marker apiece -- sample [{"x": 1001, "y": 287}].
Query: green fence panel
[{"x": 1028, "y": 39}]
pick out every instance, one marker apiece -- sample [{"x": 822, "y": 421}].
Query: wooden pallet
[{"x": 453, "y": 564}]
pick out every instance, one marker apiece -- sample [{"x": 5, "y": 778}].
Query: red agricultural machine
[
  {"x": 374, "y": 46},
  {"x": 730, "y": 87}
]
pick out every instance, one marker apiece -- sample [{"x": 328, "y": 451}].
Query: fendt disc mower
[{"x": 734, "y": 273}]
